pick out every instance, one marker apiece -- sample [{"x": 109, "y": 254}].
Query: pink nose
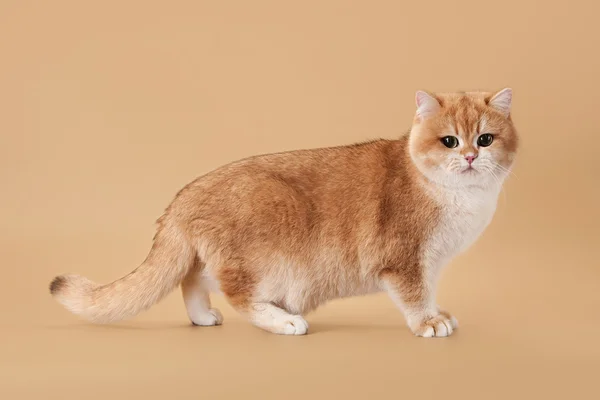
[{"x": 470, "y": 158}]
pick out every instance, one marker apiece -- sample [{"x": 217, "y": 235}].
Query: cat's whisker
[
  {"x": 504, "y": 169},
  {"x": 498, "y": 182}
]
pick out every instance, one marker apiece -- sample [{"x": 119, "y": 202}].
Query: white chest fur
[{"x": 465, "y": 213}]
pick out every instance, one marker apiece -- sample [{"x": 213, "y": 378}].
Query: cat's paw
[
  {"x": 287, "y": 324},
  {"x": 295, "y": 325},
  {"x": 210, "y": 318},
  {"x": 441, "y": 325},
  {"x": 276, "y": 320}
]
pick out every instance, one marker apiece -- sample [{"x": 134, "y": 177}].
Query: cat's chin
[
  {"x": 470, "y": 177},
  {"x": 469, "y": 171}
]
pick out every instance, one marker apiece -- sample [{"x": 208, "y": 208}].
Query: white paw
[
  {"x": 441, "y": 325},
  {"x": 294, "y": 325},
  {"x": 210, "y": 318},
  {"x": 276, "y": 320}
]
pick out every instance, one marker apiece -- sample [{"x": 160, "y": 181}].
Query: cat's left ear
[{"x": 502, "y": 101}]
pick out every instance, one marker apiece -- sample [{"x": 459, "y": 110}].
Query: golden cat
[{"x": 280, "y": 234}]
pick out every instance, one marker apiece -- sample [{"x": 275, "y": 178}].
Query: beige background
[{"x": 108, "y": 108}]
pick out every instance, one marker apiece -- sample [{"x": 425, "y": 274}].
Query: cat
[{"x": 280, "y": 234}]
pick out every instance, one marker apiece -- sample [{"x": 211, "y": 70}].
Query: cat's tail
[{"x": 169, "y": 260}]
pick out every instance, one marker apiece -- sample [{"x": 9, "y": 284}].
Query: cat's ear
[
  {"x": 502, "y": 101},
  {"x": 427, "y": 105}
]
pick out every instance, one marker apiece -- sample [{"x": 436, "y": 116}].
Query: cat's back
[
  {"x": 292, "y": 188},
  {"x": 306, "y": 170}
]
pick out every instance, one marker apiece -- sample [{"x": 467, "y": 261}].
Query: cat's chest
[{"x": 464, "y": 215}]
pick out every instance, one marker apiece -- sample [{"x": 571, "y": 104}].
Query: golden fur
[{"x": 280, "y": 234}]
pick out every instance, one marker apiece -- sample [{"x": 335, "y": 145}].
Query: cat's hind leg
[
  {"x": 276, "y": 320},
  {"x": 240, "y": 287},
  {"x": 197, "y": 299}
]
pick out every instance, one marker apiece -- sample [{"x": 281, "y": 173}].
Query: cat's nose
[{"x": 470, "y": 158}]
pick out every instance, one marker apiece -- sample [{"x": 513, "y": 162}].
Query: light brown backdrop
[{"x": 108, "y": 108}]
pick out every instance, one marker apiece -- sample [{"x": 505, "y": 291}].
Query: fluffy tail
[{"x": 169, "y": 260}]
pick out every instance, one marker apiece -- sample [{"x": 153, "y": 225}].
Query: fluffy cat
[{"x": 280, "y": 234}]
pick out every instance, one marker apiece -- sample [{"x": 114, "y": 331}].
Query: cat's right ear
[{"x": 427, "y": 105}]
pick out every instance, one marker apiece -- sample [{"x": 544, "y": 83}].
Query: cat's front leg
[{"x": 415, "y": 296}]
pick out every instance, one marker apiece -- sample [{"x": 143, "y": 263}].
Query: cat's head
[{"x": 464, "y": 139}]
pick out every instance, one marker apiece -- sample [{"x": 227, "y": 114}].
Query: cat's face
[{"x": 464, "y": 139}]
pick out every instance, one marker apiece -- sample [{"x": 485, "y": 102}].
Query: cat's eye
[
  {"x": 485, "y": 140},
  {"x": 450, "y": 141}
]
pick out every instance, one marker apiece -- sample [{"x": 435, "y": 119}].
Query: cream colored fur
[{"x": 281, "y": 234}]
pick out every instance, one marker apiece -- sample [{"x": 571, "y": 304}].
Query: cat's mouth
[{"x": 468, "y": 170}]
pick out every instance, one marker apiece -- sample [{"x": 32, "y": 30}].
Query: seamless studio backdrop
[{"x": 108, "y": 108}]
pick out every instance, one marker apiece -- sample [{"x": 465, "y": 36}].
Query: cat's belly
[{"x": 296, "y": 291}]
